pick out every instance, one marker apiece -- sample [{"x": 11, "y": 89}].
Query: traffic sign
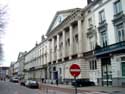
[{"x": 75, "y": 70}]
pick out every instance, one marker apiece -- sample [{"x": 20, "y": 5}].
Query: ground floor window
[
  {"x": 93, "y": 64},
  {"x": 123, "y": 65},
  {"x": 123, "y": 68}
]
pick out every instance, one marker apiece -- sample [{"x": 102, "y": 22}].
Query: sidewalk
[{"x": 89, "y": 89}]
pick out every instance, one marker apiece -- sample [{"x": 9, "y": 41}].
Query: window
[
  {"x": 104, "y": 39},
  {"x": 120, "y": 33},
  {"x": 123, "y": 65},
  {"x": 117, "y": 7},
  {"x": 68, "y": 42},
  {"x": 76, "y": 38},
  {"x": 60, "y": 70},
  {"x": 55, "y": 48},
  {"x": 89, "y": 22},
  {"x": 92, "y": 43},
  {"x": 101, "y": 16},
  {"x": 123, "y": 68},
  {"x": 93, "y": 64}
]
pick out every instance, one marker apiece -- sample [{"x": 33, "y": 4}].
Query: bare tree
[{"x": 3, "y": 12}]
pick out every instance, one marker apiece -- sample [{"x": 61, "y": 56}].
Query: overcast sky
[{"x": 28, "y": 20}]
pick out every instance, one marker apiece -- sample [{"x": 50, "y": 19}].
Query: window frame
[
  {"x": 120, "y": 32},
  {"x": 104, "y": 38},
  {"x": 117, "y": 7},
  {"x": 92, "y": 64},
  {"x": 102, "y": 17}
]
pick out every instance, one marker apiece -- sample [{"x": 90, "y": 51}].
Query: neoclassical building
[
  {"x": 92, "y": 37},
  {"x": 105, "y": 45},
  {"x": 66, "y": 44},
  {"x": 35, "y": 66}
]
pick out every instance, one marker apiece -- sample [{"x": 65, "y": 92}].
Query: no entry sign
[{"x": 75, "y": 70}]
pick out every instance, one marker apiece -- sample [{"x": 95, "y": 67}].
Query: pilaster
[
  {"x": 53, "y": 49},
  {"x": 57, "y": 46},
  {"x": 80, "y": 37},
  {"x": 71, "y": 39},
  {"x": 64, "y": 44}
]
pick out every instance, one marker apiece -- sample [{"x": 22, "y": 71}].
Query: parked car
[
  {"x": 22, "y": 82},
  {"x": 82, "y": 82},
  {"x": 15, "y": 80},
  {"x": 31, "y": 84}
]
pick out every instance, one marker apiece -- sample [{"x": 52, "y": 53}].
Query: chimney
[
  {"x": 36, "y": 43},
  {"x": 42, "y": 38},
  {"x": 90, "y": 1}
]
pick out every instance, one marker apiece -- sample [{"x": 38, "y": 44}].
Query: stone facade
[
  {"x": 92, "y": 37},
  {"x": 103, "y": 19},
  {"x": 35, "y": 66}
]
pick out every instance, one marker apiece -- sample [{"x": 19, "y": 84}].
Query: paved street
[{"x": 15, "y": 88}]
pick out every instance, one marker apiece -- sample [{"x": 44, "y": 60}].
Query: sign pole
[
  {"x": 75, "y": 71},
  {"x": 75, "y": 85}
]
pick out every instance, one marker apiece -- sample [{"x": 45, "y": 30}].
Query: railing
[
  {"x": 111, "y": 48},
  {"x": 89, "y": 53}
]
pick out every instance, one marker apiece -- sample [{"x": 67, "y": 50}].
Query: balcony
[
  {"x": 114, "y": 48},
  {"x": 102, "y": 26},
  {"x": 91, "y": 30},
  {"x": 89, "y": 54},
  {"x": 118, "y": 17}
]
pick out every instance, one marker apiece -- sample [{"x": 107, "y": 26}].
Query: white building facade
[
  {"x": 35, "y": 62},
  {"x": 105, "y": 30},
  {"x": 66, "y": 37},
  {"x": 21, "y": 61},
  {"x": 92, "y": 37}
]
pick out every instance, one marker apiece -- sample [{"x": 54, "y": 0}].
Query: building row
[
  {"x": 92, "y": 37},
  {"x": 4, "y": 73}
]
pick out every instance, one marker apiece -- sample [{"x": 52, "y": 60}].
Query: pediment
[{"x": 59, "y": 17}]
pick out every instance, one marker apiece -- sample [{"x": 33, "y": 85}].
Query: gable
[{"x": 59, "y": 18}]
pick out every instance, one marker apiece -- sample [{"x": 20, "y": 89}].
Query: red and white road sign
[{"x": 75, "y": 70}]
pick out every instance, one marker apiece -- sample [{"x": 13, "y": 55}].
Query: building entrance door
[
  {"x": 55, "y": 75},
  {"x": 106, "y": 72}
]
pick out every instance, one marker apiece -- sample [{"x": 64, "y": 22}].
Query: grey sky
[{"x": 28, "y": 20}]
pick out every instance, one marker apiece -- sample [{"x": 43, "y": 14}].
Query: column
[
  {"x": 44, "y": 55},
  {"x": 57, "y": 47},
  {"x": 80, "y": 37},
  {"x": 64, "y": 44},
  {"x": 48, "y": 51},
  {"x": 71, "y": 40},
  {"x": 124, "y": 28},
  {"x": 53, "y": 49}
]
